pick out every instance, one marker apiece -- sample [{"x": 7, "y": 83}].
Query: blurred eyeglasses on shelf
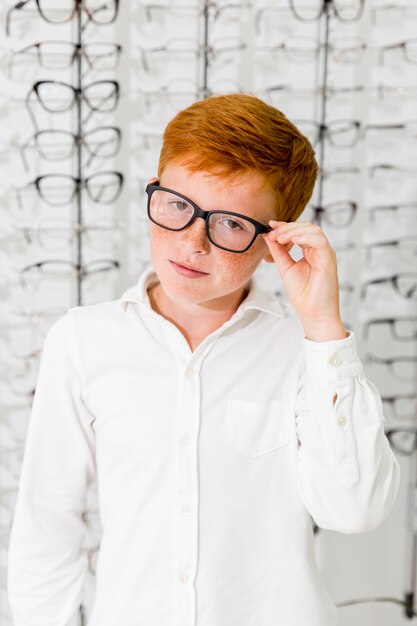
[
  {"x": 274, "y": 18},
  {"x": 404, "y": 284},
  {"x": 389, "y": 175},
  {"x": 179, "y": 93},
  {"x": 403, "y": 368},
  {"x": 403, "y": 440},
  {"x": 275, "y": 94},
  {"x": 61, "y": 189},
  {"x": 313, "y": 10},
  {"x": 58, "y": 268},
  {"x": 338, "y": 214},
  {"x": 99, "y": 12},
  {"x": 339, "y": 133},
  {"x": 225, "y": 11},
  {"x": 58, "y": 97},
  {"x": 340, "y": 174},
  {"x": 408, "y": 49},
  {"x": 401, "y": 328},
  {"x": 150, "y": 141},
  {"x": 404, "y": 248},
  {"x": 21, "y": 338},
  {"x": 393, "y": 93},
  {"x": 222, "y": 51},
  {"x": 58, "y": 145},
  {"x": 19, "y": 363},
  {"x": 154, "y": 11},
  {"x": 25, "y": 395},
  {"x": 305, "y": 49},
  {"x": 403, "y": 406},
  {"x": 40, "y": 320},
  {"x": 26, "y": 379},
  {"x": 343, "y": 248},
  {"x": 174, "y": 95},
  {"x": 382, "y": 135},
  {"x": 58, "y": 234},
  {"x": 61, "y": 55},
  {"x": 393, "y": 14},
  {"x": 405, "y": 210}
]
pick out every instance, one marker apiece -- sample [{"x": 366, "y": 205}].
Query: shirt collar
[{"x": 257, "y": 298}]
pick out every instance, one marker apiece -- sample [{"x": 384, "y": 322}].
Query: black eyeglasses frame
[{"x": 259, "y": 227}]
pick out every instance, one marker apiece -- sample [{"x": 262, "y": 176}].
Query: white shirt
[{"x": 204, "y": 490}]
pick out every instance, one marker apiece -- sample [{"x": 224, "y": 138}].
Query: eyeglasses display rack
[
  {"x": 38, "y": 215},
  {"x": 343, "y": 72}
]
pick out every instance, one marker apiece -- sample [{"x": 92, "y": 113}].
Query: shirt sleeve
[
  {"x": 348, "y": 476},
  {"x": 46, "y": 564}
]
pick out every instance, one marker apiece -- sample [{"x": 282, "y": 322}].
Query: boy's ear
[
  {"x": 152, "y": 180},
  {"x": 268, "y": 256}
]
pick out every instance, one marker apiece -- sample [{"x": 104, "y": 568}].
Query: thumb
[{"x": 280, "y": 254}]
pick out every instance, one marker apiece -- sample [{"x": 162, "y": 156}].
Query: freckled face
[{"x": 227, "y": 272}]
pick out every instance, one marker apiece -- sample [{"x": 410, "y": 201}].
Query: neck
[{"x": 195, "y": 320}]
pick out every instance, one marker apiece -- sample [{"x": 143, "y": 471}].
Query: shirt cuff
[{"x": 332, "y": 360}]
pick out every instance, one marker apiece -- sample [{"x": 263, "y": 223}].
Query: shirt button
[
  {"x": 184, "y": 578},
  {"x": 185, "y": 441},
  {"x": 335, "y": 360},
  {"x": 341, "y": 420},
  {"x": 190, "y": 372},
  {"x": 186, "y": 509}
]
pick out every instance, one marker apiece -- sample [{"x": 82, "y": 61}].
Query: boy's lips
[{"x": 188, "y": 267}]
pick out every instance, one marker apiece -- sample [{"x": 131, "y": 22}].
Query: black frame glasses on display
[
  {"x": 403, "y": 440},
  {"x": 54, "y": 196},
  {"x": 396, "y": 325},
  {"x": 406, "y": 247},
  {"x": 399, "y": 402},
  {"x": 78, "y": 93},
  {"x": 400, "y": 282},
  {"x": 394, "y": 209},
  {"x": 348, "y": 129},
  {"x": 325, "y": 6},
  {"x": 98, "y": 15},
  {"x": 205, "y": 215}
]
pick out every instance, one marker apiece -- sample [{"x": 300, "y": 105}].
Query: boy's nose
[{"x": 194, "y": 237}]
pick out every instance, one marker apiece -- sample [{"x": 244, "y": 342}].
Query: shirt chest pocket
[{"x": 256, "y": 428}]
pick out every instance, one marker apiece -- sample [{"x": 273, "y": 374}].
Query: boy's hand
[{"x": 311, "y": 283}]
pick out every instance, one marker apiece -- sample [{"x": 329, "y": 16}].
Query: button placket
[
  {"x": 335, "y": 360},
  {"x": 187, "y": 493},
  {"x": 346, "y": 452}
]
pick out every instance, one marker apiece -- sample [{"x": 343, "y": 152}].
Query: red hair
[{"x": 233, "y": 134}]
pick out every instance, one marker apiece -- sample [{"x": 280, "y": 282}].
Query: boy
[{"x": 215, "y": 418}]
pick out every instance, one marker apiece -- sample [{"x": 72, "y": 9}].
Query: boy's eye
[
  {"x": 232, "y": 224},
  {"x": 179, "y": 205}
]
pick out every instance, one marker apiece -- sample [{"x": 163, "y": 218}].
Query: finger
[
  {"x": 280, "y": 254},
  {"x": 295, "y": 228},
  {"x": 283, "y": 225},
  {"x": 303, "y": 239}
]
